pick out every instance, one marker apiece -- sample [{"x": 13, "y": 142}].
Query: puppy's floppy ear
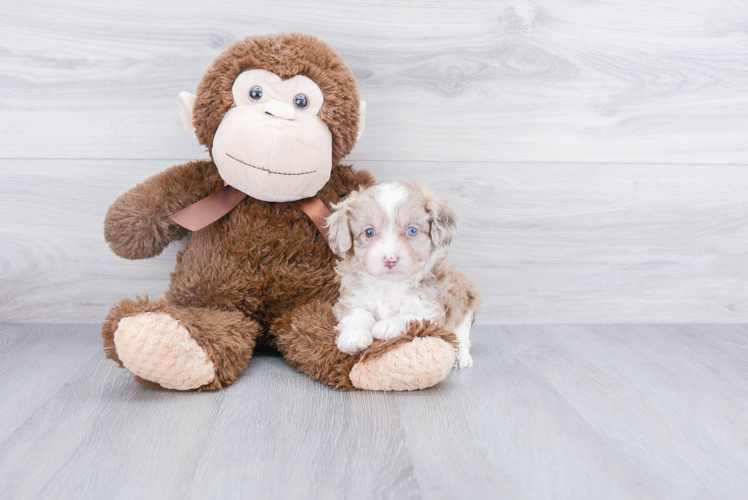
[
  {"x": 443, "y": 218},
  {"x": 339, "y": 232}
]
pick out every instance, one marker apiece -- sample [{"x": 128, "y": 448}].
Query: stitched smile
[{"x": 266, "y": 170}]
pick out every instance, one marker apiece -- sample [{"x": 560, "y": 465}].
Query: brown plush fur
[
  {"x": 137, "y": 225},
  {"x": 227, "y": 337},
  {"x": 263, "y": 272},
  {"x": 306, "y": 338},
  {"x": 262, "y": 258}
]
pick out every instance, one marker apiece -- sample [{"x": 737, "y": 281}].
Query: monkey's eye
[
  {"x": 301, "y": 101},
  {"x": 370, "y": 233},
  {"x": 255, "y": 93},
  {"x": 412, "y": 231}
]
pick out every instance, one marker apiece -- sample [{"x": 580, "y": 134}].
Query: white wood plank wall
[{"x": 598, "y": 151}]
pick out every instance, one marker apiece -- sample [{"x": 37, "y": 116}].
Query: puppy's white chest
[
  {"x": 387, "y": 305},
  {"x": 393, "y": 300}
]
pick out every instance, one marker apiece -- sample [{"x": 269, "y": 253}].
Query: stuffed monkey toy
[{"x": 276, "y": 113}]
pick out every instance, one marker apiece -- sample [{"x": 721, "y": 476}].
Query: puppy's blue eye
[
  {"x": 370, "y": 233},
  {"x": 412, "y": 231},
  {"x": 255, "y": 93}
]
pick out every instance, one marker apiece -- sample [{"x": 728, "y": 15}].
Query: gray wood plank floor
[{"x": 547, "y": 411}]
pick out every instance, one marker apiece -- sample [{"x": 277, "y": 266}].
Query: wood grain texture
[
  {"x": 568, "y": 411},
  {"x": 486, "y": 80},
  {"x": 544, "y": 243},
  {"x": 596, "y": 149}
]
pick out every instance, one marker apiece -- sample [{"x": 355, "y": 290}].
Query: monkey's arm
[{"x": 137, "y": 225}]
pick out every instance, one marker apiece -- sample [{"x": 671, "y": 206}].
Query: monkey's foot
[
  {"x": 179, "y": 348},
  {"x": 156, "y": 348},
  {"x": 421, "y": 357}
]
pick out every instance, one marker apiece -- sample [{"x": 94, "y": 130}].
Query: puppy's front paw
[
  {"x": 388, "y": 328},
  {"x": 353, "y": 340},
  {"x": 464, "y": 359}
]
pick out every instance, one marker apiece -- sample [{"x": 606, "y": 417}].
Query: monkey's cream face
[{"x": 272, "y": 145}]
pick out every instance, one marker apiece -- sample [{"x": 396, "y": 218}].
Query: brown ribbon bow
[{"x": 210, "y": 209}]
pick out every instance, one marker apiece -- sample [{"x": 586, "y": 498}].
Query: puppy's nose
[
  {"x": 389, "y": 261},
  {"x": 280, "y": 109}
]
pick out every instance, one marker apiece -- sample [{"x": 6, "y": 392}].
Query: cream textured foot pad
[
  {"x": 419, "y": 364},
  {"x": 155, "y": 347}
]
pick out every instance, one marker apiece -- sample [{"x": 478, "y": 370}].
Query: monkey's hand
[{"x": 137, "y": 225}]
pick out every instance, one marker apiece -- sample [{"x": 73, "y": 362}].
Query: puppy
[{"x": 392, "y": 239}]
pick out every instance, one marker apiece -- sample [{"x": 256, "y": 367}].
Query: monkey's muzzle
[{"x": 272, "y": 153}]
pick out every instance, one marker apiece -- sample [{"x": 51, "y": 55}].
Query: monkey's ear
[
  {"x": 361, "y": 119},
  {"x": 186, "y": 102}
]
